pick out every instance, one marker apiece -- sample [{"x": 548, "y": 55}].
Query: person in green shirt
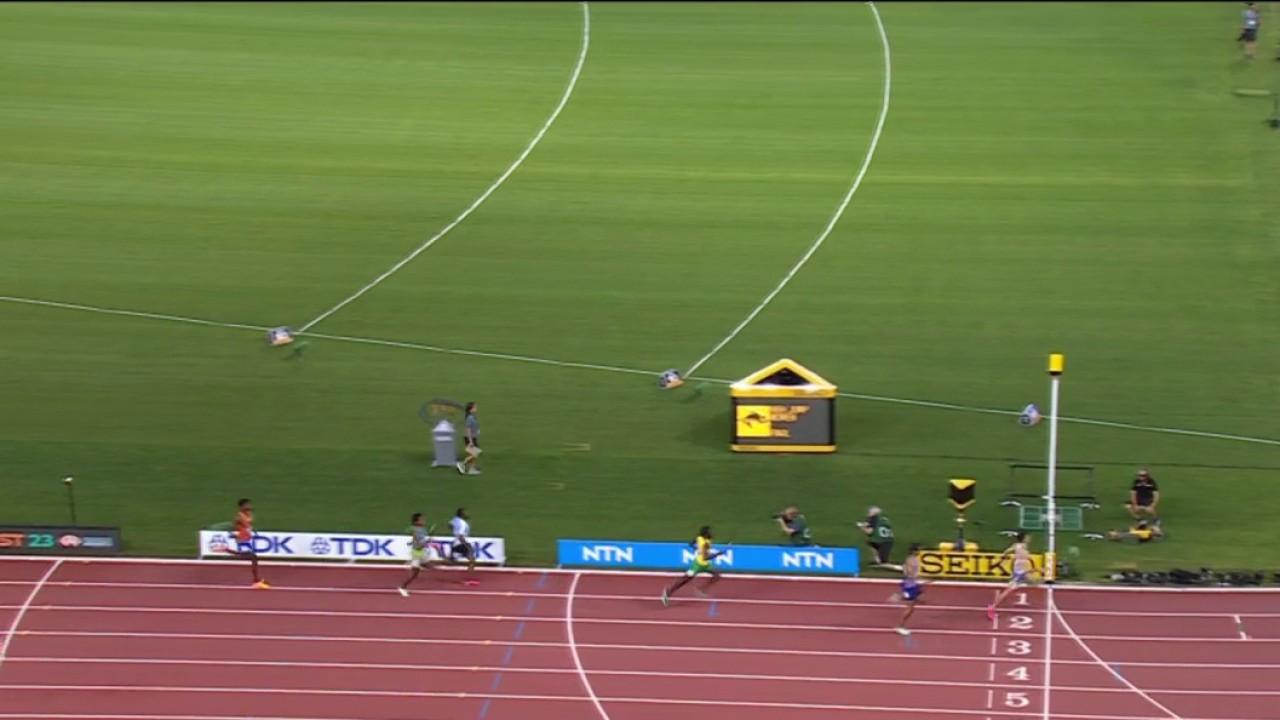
[
  {"x": 795, "y": 526},
  {"x": 879, "y": 532}
]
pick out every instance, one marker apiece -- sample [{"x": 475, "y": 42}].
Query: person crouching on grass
[
  {"x": 793, "y": 523},
  {"x": 1144, "y": 497},
  {"x": 879, "y": 532}
]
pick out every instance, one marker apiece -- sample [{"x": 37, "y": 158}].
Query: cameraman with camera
[
  {"x": 879, "y": 532},
  {"x": 794, "y": 525}
]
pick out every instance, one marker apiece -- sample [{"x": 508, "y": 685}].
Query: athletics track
[{"x": 139, "y": 639}]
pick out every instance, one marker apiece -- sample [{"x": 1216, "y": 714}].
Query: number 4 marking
[{"x": 1019, "y": 673}]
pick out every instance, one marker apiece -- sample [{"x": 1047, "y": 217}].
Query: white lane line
[
  {"x": 428, "y": 667},
  {"x": 573, "y": 648},
  {"x": 639, "y": 371},
  {"x": 490, "y": 619},
  {"x": 1082, "y": 588},
  {"x": 856, "y": 396},
  {"x": 627, "y": 647},
  {"x": 564, "y": 100},
  {"x": 835, "y": 218},
  {"x": 1046, "y": 689},
  {"x": 1240, "y": 627},
  {"x": 623, "y": 598},
  {"x": 1107, "y": 666},
  {"x": 129, "y": 313},
  {"x": 327, "y": 692},
  {"x": 22, "y": 611},
  {"x": 480, "y": 353}
]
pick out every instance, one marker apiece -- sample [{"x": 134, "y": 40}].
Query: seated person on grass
[{"x": 1144, "y": 497}]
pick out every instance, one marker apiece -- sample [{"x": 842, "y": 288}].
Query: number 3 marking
[{"x": 1018, "y": 647}]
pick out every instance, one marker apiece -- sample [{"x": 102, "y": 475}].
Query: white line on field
[
  {"x": 1104, "y": 664},
  {"x": 481, "y": 353},
  {"x": 951, "y": 682},
  {"x": 493, "y": 620},
  {"x": 573, "y": 648},
  {"x": 1240, "y": 627},
  {"x": 835, "y": 218},
  {"x": 564, "y": 100},
  {"x": 128, "y": 313},
  {"x": 1046, "y": 688},
  {"x": 444, "y": 595},
  {"x": 826, "y": 708},
  {"x": 22, "y": 611},
  {"x": 360, "y": 640},
  {"x": 938, "y": 405}
]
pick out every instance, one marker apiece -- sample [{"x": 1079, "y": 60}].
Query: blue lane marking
[
  {"x": 711, "y": 609},
  {"x": 506, "y": 658},
  {"x": 542, "y": 581}
]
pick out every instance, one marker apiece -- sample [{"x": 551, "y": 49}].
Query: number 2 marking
[{"x": 1020, "y": 622}]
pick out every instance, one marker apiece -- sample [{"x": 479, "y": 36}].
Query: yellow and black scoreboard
[{"x": 784, "y": 407}]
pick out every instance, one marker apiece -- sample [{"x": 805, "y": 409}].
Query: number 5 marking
[{"x": 1016, "y": 700}]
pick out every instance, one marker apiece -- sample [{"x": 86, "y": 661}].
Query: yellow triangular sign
[{"x": 784, "y": 378}]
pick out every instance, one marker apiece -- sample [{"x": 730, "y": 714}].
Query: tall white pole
[{"x": 1057, "y": 364}]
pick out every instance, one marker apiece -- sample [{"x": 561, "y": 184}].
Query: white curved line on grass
[
  {"x": 129, "y": 313},
  {"x": 835, "y": 218},
  {"x": 1053, "y": 607},
  {"x": 573, "y": 647},
  {"x": 480, "y": 353},
  {"x": 626, "y": 370},
  {"x": 22, "y": 611},
  {"x": 564, "y": 100}
]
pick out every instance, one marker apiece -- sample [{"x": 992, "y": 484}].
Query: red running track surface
[{"x": 138, "y": 639}]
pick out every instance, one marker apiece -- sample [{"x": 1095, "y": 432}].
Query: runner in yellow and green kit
[{"x": 700, "y": 564}]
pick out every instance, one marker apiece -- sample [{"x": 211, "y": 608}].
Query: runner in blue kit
[{"x": 911, "y": 588}]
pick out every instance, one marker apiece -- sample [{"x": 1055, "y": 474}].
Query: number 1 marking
[{"x": 1022, "y": 599}]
